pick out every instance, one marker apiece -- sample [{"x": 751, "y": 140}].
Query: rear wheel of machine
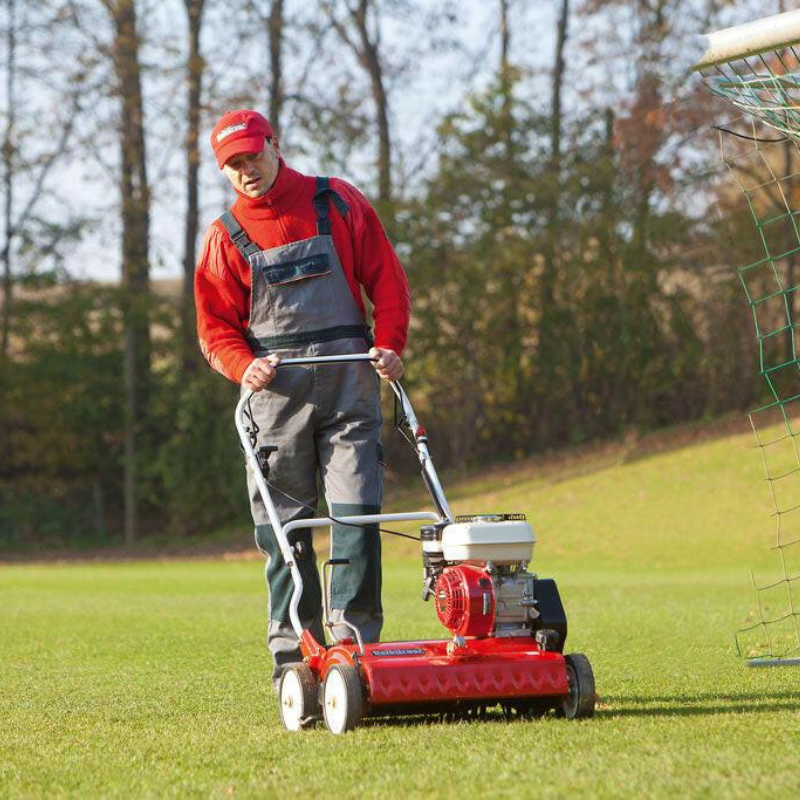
[
  {"x": 342, "y": 698},
  {"x": 299, "y": 697},
  {"x": 579, "y": 703}
]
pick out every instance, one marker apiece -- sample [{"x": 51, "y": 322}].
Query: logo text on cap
[{"x": 231, "y": 129}]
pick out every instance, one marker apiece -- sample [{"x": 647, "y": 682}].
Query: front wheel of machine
[
  {"x": 298, "y": 694},
  {"x": 342, "y": 698},
  {"x": 579, "y": 703}
]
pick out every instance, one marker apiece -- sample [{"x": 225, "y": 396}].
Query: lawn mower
[{"x": 507, "y": 626}]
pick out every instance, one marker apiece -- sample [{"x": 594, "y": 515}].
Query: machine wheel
[
  {"x": 579, "y": 703},
  {"x": 298, "y": 694},
  {"x": 342, "y": 698}
]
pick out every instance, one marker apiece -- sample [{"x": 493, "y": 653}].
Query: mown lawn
[{"x": 151, "y": 679}]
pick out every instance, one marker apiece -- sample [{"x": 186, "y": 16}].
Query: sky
[
  {"x": 437, "y": 81},
  {"x": 436, "y": 85}
]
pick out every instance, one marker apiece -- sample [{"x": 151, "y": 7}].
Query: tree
[
  {"x": 362, "y": 35},
  {"x": 551, "y": 333},
  {"x": 26, "y": 166},
  {"x": 8, "y": 170},
  {"x": 276, "y": 90},
  {"x": 135, "y": 215},
  {"x": 270, "y": 17},
  {"x": 475, "y": 234},
  {"x": 62, "y": 412},
  {"x": 195, "y": 66}
]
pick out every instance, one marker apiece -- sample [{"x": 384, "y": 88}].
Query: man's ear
[{"x": 277, "y": 145}]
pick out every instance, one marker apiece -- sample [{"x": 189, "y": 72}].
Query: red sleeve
[
  {"x": 222, "y": 300},
  {"x": 378, "y": 270}
]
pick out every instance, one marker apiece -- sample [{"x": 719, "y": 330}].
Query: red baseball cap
[{"x": 238, "y": 132}]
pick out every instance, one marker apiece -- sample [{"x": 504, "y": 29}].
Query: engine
[
  {"x": 465, "y": 601},
  {"x": 476, "y": 573}
]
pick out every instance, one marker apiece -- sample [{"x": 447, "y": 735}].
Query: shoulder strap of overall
[
  {"x": 240, "y": 239},
  {"x": 322, "y": 198}
]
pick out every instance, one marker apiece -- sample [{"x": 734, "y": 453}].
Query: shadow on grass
[
  {"x": 698, "y": 705},
  {"x": 616, "y": 706},
  {"x": 494, "y": 716}
]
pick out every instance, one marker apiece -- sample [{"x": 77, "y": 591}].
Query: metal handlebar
[
  {"x": 288, "y": 362},
  {"x": 281, "y": 530},
  {"x": 305, "y": 360},
  {"x": 420, "y": 439}
]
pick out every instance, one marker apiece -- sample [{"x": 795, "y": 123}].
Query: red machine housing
[
  {"x": 407, "y": 677},
  {"x": 477, "y": 666},
  {"x": 465, "y": 600}
]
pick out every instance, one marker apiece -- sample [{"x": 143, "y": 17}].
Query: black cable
[
  {"x": 749, "y": 138},
  {"x": 339, "y": 522},
  {"x": 400, "y": 420},
  {"x": 255, "y": 430}
]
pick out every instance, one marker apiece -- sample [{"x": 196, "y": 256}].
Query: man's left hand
[{"x": 388, "y": 364}]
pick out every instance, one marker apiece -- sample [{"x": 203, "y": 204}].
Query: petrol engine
[{"x": 476, "y": 571}]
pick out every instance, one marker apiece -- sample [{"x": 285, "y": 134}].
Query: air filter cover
[{"x": 503, "y": 542}]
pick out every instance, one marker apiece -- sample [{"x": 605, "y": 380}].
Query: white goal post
[
  {"x": 756, "y": 67},
  {"x": 750, "y": 39}
]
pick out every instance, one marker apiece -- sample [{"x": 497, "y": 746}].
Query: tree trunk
[
  {"x": 510, "y": 351},
  {"x": 195, "y": 67},
  {"x": 369, "y": 55},
  {"x": 135, "y": 212},
  {"x": 8, "y": 149},
  {"x": 547, "y": 335},
  {"x": 505, "y": 37},
  {"x": 615, "y": 267},
  {"x": 367, "y": 50},
  {"x": 558, "y": 83},
  {"x": 275, "y": 27},
  {"x": 648, "y": 97},
  {"x": 505, "y": 86}
]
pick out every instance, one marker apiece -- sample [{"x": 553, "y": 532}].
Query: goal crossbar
[{"x": 750, "y": 39}]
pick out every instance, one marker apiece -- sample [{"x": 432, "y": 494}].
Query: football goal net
[{"x": 756, "y": 68}]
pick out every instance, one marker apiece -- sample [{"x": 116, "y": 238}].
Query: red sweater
[{"x": 286, "y": 214}]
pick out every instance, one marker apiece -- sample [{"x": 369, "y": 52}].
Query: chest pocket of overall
[
  {"x": 299, "y": 290},
  {"x": 298, "y": 269}
]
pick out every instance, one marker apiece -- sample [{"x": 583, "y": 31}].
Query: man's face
[{"x": 254, "y": 173}]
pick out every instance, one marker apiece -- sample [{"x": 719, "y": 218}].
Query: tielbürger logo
[
  {"x": 400, "y": 651},
  {"x": 240, "y": 126}
]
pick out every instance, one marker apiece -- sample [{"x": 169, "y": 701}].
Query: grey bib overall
[{"x": 325, "y": 421}]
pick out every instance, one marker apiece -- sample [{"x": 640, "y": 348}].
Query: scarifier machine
[{"x": 507, "y": 625}]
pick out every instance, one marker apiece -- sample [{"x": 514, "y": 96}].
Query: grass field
[{"x": 150, "y": 679}]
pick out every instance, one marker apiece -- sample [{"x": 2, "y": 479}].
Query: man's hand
[
  {"x": 388, "y": 365},
  {"x": 260, "y": 372}
]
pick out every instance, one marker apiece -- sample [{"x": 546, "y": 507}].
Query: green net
[
  {"x": 764, "y": 86},
  {"x": 766, "y": 168}
]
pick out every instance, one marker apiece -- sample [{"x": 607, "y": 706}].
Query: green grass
[{"x": 151, "y": 679}]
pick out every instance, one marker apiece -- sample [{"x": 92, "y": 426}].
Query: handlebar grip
[
  {"x": 288, "y": 362},
  {"x": 305, "y": 360}
]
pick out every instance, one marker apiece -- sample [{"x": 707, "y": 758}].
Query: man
[{"x": 280, "y": 275}]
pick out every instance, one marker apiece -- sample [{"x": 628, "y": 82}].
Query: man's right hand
[{"x": 260, "y": 372}]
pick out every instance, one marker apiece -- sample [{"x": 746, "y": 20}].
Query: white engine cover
[{"x": 503, "y": 543}]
